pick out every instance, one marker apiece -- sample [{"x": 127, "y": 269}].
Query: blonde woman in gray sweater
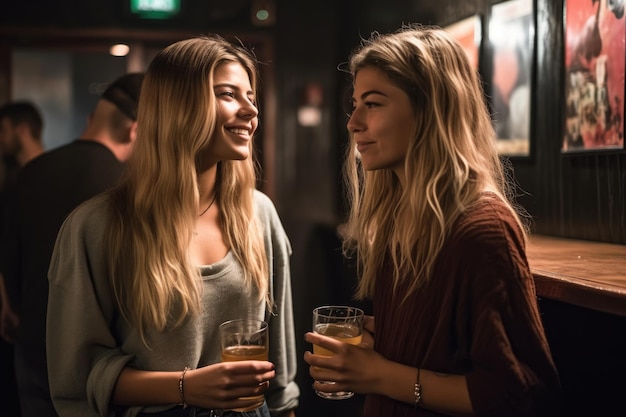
[{"x": 141, "y": 277}]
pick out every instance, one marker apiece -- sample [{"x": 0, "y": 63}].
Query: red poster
[
  {"x": 468, "y": 33},
  {"x": 594, "y": 71}
]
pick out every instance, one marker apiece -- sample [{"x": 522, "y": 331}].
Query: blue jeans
[
  {"x": 262, "y": 411},
  {"x": 178, "y": 411}
]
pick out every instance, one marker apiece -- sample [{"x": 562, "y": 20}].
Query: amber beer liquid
[
  {"x": 343, "y": 323},
  {"x": 244, "y": 353},
  {"x": 245, "y": 340},
  {"x": 346, "y": 333}
]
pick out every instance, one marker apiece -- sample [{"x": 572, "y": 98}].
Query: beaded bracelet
[
  {"x": 417, "y": 389},
  {"x": 181, "y": 387}
]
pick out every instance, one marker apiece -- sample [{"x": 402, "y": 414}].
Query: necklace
[{"x": 209, "y": 206}]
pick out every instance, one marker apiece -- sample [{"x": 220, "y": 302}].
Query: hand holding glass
[
  {"x": 245, "y": 340},
  {"x": 342, "y": 323}
]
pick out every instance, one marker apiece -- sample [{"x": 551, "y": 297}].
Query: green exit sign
[{"x": 155, "y": 9}]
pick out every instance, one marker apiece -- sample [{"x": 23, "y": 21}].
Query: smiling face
[
  {"x": 382, "y": 121},
  {"x": 237, "y": 115}
]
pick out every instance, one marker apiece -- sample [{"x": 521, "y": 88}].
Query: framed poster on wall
[
  {"x": 511, "y": 39},
  {"x": 594, "y": 75},
  {"x": 468, "y": 32}
]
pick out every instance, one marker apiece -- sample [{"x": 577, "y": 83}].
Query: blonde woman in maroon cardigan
[{"x": 439, "y": 244}]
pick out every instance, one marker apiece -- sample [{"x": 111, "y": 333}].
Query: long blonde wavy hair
[
  {"x": 155, "y": 207},
  {"x": 451, "y": 159}
]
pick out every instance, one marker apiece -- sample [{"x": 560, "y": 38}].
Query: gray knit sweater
[{"x": 89, "y": 343}]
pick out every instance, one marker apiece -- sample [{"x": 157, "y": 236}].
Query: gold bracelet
[
  {"x": 181, "y": 387},
  {"x": 417, "y": 389}
]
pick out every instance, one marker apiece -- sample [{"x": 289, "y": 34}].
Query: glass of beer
[
  {"x": 245, "y": 340},
  {"x": 342, "y": 323}
]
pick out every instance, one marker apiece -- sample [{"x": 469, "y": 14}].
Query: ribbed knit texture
[{"x": 477, "y": 316}]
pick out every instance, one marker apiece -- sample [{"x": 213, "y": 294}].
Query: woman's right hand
[
  {"x": 356, "y": 368},
  {"x": 222, "y": 385}
]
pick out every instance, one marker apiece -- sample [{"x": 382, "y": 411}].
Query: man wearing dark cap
[{"x": 49, "y": 188}]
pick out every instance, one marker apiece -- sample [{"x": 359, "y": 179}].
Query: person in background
[
  {"x": 439, "y": 243},
  {"x": 21, "y": 134},
  {"x": 21, "y": 140},
  {"x": 47, "y": 189},
  {"x": 21, "y": 131},
  {"x": 142, "y": 276}
]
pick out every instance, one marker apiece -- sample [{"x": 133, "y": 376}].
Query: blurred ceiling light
[
  {"x": 263, "y": 12},
  {"x": 119, "y": 49},
  {"x": 310, "y": 109},
  {"x": 309, "y": 116}
]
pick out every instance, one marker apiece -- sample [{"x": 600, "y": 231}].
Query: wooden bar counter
[
  {"x": 582, "y": 273},
  {"x": 581, "y": 293}
]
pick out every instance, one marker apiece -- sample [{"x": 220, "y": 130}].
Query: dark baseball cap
[{"x": 124, "y": 93}]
